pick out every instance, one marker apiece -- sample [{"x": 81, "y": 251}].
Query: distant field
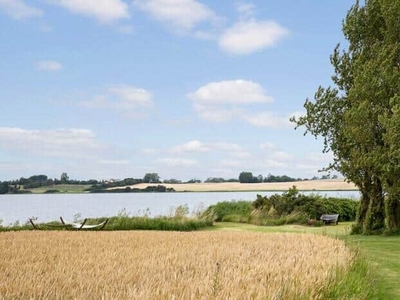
[
  {"x": 63, "y": 188},
  {"x": 167, "y": 265},
  {"x": 309, "y": 185}
]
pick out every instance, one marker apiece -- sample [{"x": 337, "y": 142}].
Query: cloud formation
[
  {"x": 102, "y": 10},
  {"x": 192, "y": 146},
  {"x": 247, "y": 37},
  {"x": 65, "y": 143},
  {"x": 129, "y": 100},
  {"x": 180, "y": 15},
  {"x": 18, "y": 10},
  {"x": 49, "y": 65},
  {"x": 177, "y": 162},
  {"x": 268, "y": 119},
  {"x": 220, "y": 101}
]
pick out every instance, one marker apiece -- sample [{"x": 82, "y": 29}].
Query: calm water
[{"x": 49, "y": 207}]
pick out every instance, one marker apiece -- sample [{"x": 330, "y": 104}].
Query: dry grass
[
  {"x": 166, "y": 265},
  {"x": 309, "y": 185}
]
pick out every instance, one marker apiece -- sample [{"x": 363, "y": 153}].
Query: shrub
[
  {"x": 229, "y": 208},
  {"x": 294, "y": 207}
]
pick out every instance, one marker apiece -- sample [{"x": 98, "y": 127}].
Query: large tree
[{"x": 359, "y": 118}]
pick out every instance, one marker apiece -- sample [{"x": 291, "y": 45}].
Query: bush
[
  {"x": 52, "y": 192},
  {"x": 287, "y": 208},
  {"x": 236, "y": 218},
  {"x": 229, "y": 208},
  {"x": 299, "y": 208}
]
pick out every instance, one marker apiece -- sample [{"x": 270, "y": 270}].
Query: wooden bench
[{"x": 327, "y": 219}]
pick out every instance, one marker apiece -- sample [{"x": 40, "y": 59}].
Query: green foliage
[
  {"x": 215, "y": 179},
  {"x": 3, "y": 187},
  {"x": 175, "y": 223},
  {"x": 359, "y": 118},
  {"x": 221, "y": 210},
  {"x": 151, "y": 178},
  {"x": 294, "y": 207},
  {"x": 52, "y": 191},
  {"x": 352, "y": 283},
  {"x": 149, "y": 189},
  {"x": 236, "y": 218},
  {"x": 382, "y": 252},
  {"x": 124, "y": 222},
  {"x": 279, "y": 209},
  {"x": 247, "y": 177},
  {"x": 283, "y": 178}
]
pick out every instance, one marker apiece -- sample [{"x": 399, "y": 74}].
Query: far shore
[{"x": 307, "y": 185}]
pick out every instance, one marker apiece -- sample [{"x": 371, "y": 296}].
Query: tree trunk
[
  {"x": 392, "y": 213},
  {"x": 371, "y": 212}
]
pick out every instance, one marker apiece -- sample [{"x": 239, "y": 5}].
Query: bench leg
[{"x": 33, "y": 224}]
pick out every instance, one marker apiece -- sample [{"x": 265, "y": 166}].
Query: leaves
[{"x": 359, "y": 118}]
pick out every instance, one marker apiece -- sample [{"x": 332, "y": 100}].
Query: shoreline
[{"x": 308, "y": 185}]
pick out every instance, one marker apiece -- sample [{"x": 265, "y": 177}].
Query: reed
[{"x": 168, "y": 265}]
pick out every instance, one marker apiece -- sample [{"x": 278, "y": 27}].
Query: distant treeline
[{"x": 23, "y": 185}]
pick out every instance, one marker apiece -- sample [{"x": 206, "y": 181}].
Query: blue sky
[{"x": 185, "y": 88}]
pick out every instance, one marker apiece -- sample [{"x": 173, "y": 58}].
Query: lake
[{"x": 49, "y": 207}]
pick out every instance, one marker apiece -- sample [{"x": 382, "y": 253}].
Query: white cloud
[
  {"x": 17, "y": 9},
  {"x": 230, "y": 92},
  {"x": 322, "y": 158},
  {"x": 181, "y": 15},
  {"x": 217, "y": 114},
  {"x": 129, "y": 100},
  {"x": 231, "y": 163},
  {"x": 223, "y": 146},
  {"x": 271, "y": 163},
  {"x": 246, "y": 37},
  {"x": 52, "y": 143},
  {"x": 113, "y": 162},
  {"x": 226, "y": 149},
  {"x": 192, "y": 146},
  {"x": 281, "y": 156},
  {"x": 49, "y": 65},
  {"x": 132, "y": 96},
  {"x": 221, "y": 101},
  {"x": 177, "y": 162},
  {"x": 267, "y": 119},
  {"x": 267, "y": 146},
  {"x": 245, "y": 10},
  {"x": 102, "y": 10},
  {"x": 150, "y": 151}
]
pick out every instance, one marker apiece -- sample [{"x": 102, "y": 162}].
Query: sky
[{"x": 188, "y": 89}]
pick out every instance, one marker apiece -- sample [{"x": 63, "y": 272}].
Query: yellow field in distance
[{"x": 307, "y": 185}]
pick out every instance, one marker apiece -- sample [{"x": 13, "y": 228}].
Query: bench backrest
[{"x": 330, "y": 217}]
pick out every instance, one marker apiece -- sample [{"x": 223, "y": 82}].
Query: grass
[
  {"x": 382, "y": 253},
  {"x": 125, "y": 222},
  {"x": 168, "y": 265},
  {"x": 342, "y": 229}
]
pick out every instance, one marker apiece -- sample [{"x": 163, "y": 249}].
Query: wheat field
[
  {"x": 167, "y": 265},
  {"x": 306, "y": 185}
]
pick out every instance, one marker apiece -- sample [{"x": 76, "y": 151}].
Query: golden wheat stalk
[{"x": 166, "y": 265}]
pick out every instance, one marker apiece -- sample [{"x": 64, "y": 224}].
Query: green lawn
[{"x": 382, "y": 252}]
